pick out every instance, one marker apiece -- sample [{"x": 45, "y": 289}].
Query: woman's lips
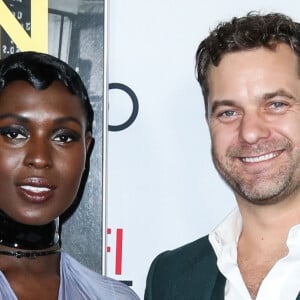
[{"x": 35, "y": 190}]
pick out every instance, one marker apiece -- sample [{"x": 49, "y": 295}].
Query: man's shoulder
[
  {"x": 186, "y": 257},
  {"x": 188, "y": 272},
  {"x": 193, "y": 250}
]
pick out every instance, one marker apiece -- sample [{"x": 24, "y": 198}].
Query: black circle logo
[{"x": 135, "y": 106}]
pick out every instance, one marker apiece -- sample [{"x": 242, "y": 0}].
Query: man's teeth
[
  {"x": 35, "y": 189},
  {"x": 258, "y": 158}
]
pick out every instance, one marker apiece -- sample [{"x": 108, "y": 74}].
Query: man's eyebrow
[
  {"x": 266, "y": 96},
  {"x": 15, "y": 117},
  {"x": 279, "y": 92},
  {"x": 218, "y": 103}
]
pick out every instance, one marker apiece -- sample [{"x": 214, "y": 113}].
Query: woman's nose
[{"x": 38, "y": 153}]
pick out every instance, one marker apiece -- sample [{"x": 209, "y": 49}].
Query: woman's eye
[
  {"x": 13, "y": 134},
  {"x": 64, "y": 138}
]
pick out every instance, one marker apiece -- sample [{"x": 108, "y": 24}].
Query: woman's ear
[{"x": 88, "y": 141}]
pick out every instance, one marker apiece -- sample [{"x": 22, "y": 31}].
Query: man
[{"x": 249, "y": 71}]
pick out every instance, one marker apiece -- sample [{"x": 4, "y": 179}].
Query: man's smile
[{"x": 261, "y": 158}]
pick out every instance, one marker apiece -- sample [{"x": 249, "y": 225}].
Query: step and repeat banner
[
  {"x": 163, "y": 190},
  {"x": 72, "y": 30}
]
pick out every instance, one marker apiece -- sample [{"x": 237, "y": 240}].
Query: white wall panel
[{"x": 163, "y": 190}]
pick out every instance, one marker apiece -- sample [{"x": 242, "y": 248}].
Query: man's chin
[{"x": 261, "y": 196}]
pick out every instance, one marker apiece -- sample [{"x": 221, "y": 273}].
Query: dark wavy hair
[
  {"x": 40, "y": 70},
  {"x": 248, "y": 32}
]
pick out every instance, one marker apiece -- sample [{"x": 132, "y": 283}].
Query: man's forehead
[{"x": 282, "y": 58}]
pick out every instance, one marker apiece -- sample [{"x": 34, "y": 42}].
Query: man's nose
[{"x": 253, "y": 127}]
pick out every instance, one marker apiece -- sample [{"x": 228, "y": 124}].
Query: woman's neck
[{"x": 28, "y": 237}]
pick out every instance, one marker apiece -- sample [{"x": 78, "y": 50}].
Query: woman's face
[{"x": 43, "y": 146}]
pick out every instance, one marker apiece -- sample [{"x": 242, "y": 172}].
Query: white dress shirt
[{"x": 283, "y": 280}]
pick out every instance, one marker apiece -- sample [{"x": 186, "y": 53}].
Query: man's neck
[
  {"x": 263, "y": 239},
  {"x": 268, "y": 224}
]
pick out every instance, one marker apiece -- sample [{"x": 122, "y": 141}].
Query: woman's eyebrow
[
  {"x": 22, "y": 119},
  {"x": 14, "y": 116},
  {"x": 61, "y": 120}
]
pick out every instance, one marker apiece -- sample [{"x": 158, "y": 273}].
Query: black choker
[{"x": 29, "y": 237}]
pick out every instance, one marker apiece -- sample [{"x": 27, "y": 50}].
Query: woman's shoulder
[{"x": 81, "y": 281}]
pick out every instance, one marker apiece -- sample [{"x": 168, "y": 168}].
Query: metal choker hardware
[{"x": 29, "y": 254}]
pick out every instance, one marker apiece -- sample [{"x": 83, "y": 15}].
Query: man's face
[{"x": 254, "y": 122}]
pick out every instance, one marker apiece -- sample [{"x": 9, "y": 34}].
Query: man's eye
[
  {"x": 13, "y": 134},
  {"x": 277, "y": 104},
  {"x": 227, "y": 114}
]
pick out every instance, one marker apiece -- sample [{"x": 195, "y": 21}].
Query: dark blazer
[{"x": 187, "y": 273}]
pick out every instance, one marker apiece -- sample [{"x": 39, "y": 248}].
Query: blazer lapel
[{"x": 218, "y": 291}]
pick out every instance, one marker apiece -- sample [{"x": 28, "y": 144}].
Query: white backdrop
[{"x": 163, "y": 190}]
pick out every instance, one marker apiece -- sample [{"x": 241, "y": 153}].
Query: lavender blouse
[{"x": 80, "y": 283}]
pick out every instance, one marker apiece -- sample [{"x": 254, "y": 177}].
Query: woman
[{"x": 45, "y": 134}]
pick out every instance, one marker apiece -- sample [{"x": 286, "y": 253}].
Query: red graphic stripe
[{"x": 119, "y": 249}]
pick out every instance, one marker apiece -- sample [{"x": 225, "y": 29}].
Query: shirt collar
[{"x": 227, "y": 233}]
